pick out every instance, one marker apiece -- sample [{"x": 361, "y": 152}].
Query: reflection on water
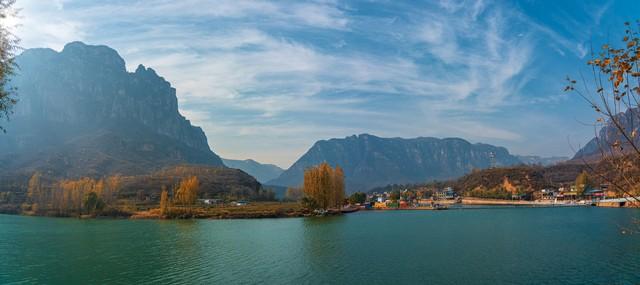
[
  {"x": 324, "y": 244},
  {"x": 490, "y": 246}
]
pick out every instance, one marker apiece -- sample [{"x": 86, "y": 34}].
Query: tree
[
  {"x": 92, "y": 203},
  {"x": 338, "y": 187},
  {"x": 113, "y": 184},
  {"x": 323, "y": 186},
  {"x": 187, "y": 192},
  {"x": 34, "y": 190},
  {"x": 357, "y": 198},
  {"x": 394, "y": 196},
  {"x": 293, "y": 194},
  {"x": 164, "y": 201},
  {"x": 8, "y": 47},
  {"x": 614, "y": 94},
  {"x": 582, "y": 183},
  {"x": 265, "y": 195}
]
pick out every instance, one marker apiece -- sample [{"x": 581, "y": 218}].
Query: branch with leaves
[{"x": 615, "y": 97}]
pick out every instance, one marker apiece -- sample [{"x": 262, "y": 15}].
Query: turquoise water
[{"x": 480, "y": 246}]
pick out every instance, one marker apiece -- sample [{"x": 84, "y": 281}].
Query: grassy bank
[{"x": 252, "y": 211}]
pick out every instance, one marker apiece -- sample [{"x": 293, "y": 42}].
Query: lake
[{"x": 481, "y": 246}]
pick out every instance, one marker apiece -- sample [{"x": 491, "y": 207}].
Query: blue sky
[{"x": 265, "y": 80}]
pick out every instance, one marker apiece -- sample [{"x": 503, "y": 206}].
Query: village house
[
  {"x": 594, "y": 195},
  {"x": 567, "y": 194},
  {"x": 445, "y": 194},
  {"x": 211, "y": 201},
  {"x": 546, "y": 194}
]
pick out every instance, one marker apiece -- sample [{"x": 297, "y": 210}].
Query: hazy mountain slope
[
  {"x": 81, "y": 113},
  {"x": 608, "y": 134},
  {"x": 539, "y": 160},
  {"x": 215, "y": 182},
  {"x": 262, "y": 172},
  {"x": 371, "y": 161}
]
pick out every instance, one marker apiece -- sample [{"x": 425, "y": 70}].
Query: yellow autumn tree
[
  {"x": 187, "y": 192},
  {"x": 323, "y": 186},
  {"x": 113, "y": 184},
  {"x": 164, "y": 201},
  {"x": 338, "y": 185},
  {"x": 35, "y": 191},
  {"x": 582, "y": 183}
]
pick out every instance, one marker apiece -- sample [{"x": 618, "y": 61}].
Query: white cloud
[
  {"x": 475, "y": 56},
  {"x": 42, "y": 24},
  {"x": 251, "y": 74}
]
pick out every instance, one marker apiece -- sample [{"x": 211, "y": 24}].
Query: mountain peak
[
  {"x": 140, "y": 69},
  {"x": 94, "y": 56}
]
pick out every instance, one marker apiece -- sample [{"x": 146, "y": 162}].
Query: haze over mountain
[
  {"x": 369, "y": 161},
  {"x": 541, "y": 160},
  {"x": 609, "y": 133},
  {"x": 82, "y": 114},
  {"x": 262, "y": 172}
]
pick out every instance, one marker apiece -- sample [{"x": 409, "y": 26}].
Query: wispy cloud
[{"x": 287, "y": 73}]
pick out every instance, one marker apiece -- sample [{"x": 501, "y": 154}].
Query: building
[
  {"x": 546, "y": 194},
  {"x": 567, "y": 195},
  {"x": 594, "y": 194},
  {"x": 211, "y": 201},
  {"x": 445, "y": 194}
]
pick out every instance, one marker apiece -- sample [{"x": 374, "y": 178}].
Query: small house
[
  {"x": 547, "y": 194},
  {"x": 445, "y": 194},
  {"x": 594, "y": 194},
  {"x": 211, "y": 201}
]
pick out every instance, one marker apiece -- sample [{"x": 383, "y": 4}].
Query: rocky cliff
[
  {"x": 81, "y": 113},
  {"x": 609, "y": 134}
]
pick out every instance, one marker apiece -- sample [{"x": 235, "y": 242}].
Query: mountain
[
  {"x": 80, "y": 113},
  {"x": 539, "y": 160},
  {"x": 262, "y": 172},
  {"x": 609, "y": 133},
  {"x": 369, "y": 161}
]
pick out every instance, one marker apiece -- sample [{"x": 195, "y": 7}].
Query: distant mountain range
[
  {"x": 369, "y": 161},
  {"x": 262, "y": 172},
  {"x": 82, "y": 114},
  {"x": 539, "y": 160}
]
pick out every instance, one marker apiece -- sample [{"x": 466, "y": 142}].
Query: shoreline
[
  {"x": 276, "y": 210},
  {"x": 483, "y": 201}
]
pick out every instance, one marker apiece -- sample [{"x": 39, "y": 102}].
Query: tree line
[
  {"x": 94, "y": 196},
  {"x": 184, "y": 195},
  {"x": 80, "y": 196}
]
